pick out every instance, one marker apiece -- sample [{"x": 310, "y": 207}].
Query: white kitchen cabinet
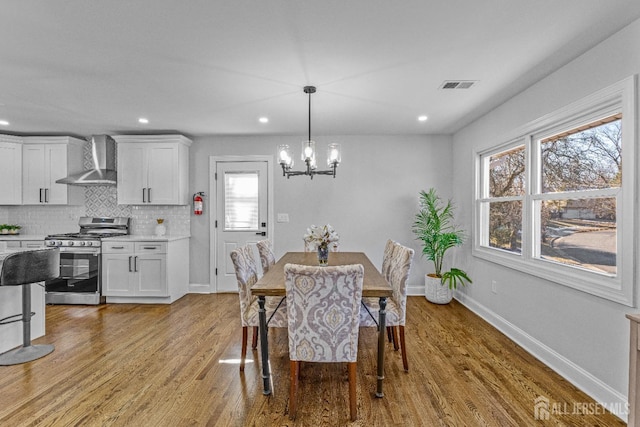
[
  {"x": 11, "y": 170},
  {"x": 27, "y": 244},
  {"x": 144, "y": 271},
  {"x": 32, "y": 244},
  {"x": 45, "y": 160},
  {"x": 153, "y": 169}
]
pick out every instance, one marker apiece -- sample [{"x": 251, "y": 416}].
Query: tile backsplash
[
  {"x": 43, "y": 220},
  {"x": 100, "y": 201}
]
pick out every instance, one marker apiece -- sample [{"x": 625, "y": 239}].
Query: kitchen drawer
[
  {"x": 33, "y": 244},
  {"x": 151, "y": 247},
  {"x": 117, "y": 247}
]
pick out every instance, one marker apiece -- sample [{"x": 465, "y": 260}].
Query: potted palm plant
[{"x": 434, "y": 227}]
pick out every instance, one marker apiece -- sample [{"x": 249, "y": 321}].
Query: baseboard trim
[
  {"x": 415, "y": 290},
  {"x": 199, "y": 288},
  {"x": 601, "y": 392}
]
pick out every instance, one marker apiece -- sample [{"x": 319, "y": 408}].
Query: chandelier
[{"x": 308, "y": 154}]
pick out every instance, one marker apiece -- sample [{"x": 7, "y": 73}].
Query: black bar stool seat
[{"x": 23, "y": 269}]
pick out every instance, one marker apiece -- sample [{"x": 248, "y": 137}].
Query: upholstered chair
[
  {"x": 400, "y": 265},
  {"x": 309, "y": 246},
  {"x": 276, "y": 307},
  {"x": 386, "y": 258},
  {"x": 267, "y": 258},
  {"x": 323, "y": 307}
]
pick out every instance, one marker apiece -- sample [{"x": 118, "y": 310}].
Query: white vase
[
  {"x": 435, "y": 292},
  {"x": 161, "y": 230}
]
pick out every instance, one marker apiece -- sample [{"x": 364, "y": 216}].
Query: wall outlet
[
  {"x": 494, "y": 286},
  {"x": 283, "y": 217}
]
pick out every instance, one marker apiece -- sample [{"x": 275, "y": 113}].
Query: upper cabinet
[
  {"x": 153, "y": 169},
  {"x": 11, "y": 170},
  {"x": 45, "y": 160}
]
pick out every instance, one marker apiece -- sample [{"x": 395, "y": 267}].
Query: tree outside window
[{"x": 554, "y": 202}]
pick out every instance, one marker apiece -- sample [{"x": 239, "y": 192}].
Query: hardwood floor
[{"x": 177, "y": 365}]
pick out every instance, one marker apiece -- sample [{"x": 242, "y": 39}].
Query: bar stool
[{"x": 23, "y": 269}]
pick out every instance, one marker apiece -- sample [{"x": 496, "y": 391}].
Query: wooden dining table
[{"x": 272, "y": 284}]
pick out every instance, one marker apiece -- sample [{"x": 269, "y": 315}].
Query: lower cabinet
[
  {"x": 144, "y": 271},
  {"x": 32, "y": 244}
]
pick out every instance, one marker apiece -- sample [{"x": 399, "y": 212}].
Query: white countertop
[{"x": 146, "y": 238}]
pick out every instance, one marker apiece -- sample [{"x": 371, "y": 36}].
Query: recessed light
[
  {"x": 263, "y": 120},
  {"x": 143, "y": 120},
  {"x": 4, "y": 123},
  {"x": 422, "y": 118}
]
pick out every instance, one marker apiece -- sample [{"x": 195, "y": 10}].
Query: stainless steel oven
[
  {"x": 80, "y": 261},
  {"x": 79, "y": 281}
]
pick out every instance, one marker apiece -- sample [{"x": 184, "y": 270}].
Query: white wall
[
  {"x": 584, "y": 337},
  {"x": 373, "y": 198}
]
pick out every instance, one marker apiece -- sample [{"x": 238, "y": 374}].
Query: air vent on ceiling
[{"x": 458, "y": 84}]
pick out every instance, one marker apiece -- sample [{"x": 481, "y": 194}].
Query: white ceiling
[{"x": 203, "y": 67}]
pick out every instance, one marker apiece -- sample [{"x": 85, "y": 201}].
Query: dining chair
[
  {"x": 323, "y": 308},
  {"x": 267, "y": 258},
  {"x": 309, "y": 246},
  {"x": 389, "y": 247},
  {"x": 276, "y": 307},
  {"x": 387, "y": 257},
  {"x": 396, "y": 309}
]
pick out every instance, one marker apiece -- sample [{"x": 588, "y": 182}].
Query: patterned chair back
[
  {"x": 323, "y": 306},
  {"x": 267, "y": 258},
  {"x": 246, "y": 276},
  {"x": 309, "y": 246},
  {"x": 386, "y": 258},
  {"x": 399, "y": 268}
]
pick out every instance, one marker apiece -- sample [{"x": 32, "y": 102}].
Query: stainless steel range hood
[{"x": 103, "y": 157}]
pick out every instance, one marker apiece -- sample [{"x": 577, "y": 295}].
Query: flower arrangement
[{"x": 321, "y": 236}]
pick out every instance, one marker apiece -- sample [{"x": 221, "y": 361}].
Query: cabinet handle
[
  {"x": 46, "y": 195},
  {"x": 144, "y": 197},
  {"x": 149, "y": 247},
  {"x": 135, "y": 263},
  {"x": 41, "y": 195},
  {"x": 130, "y": 264},
  {"x": 117, "y": 247},
  {"x": 149, "y": 195}
]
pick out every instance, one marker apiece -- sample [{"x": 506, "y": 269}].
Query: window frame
[{"x": 617, "y": 98}]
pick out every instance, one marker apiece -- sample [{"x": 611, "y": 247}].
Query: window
[
  {"x": 241, "y": 201},
  {"x": 554, "y": 201}
]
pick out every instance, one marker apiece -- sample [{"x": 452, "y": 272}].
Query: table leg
[
  {"x": 382, "y": 324},
  {"x": 264, "y": 346}
]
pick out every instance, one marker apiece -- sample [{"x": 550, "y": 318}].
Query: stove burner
[{"x": 82, "y": 236}]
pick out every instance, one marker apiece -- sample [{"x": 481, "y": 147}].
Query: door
[
  {"x": 56, "y": 168},
  {"x": 33, "y": 174},
  {"x": 11, "y": 173},
  {"x": 151, "y": 280},
  {"x": 131, "y": 173},
  {"x": 116, "y": 275},
  {"x": 162, "y": 163},
  {"x": 241, "y": 214}
]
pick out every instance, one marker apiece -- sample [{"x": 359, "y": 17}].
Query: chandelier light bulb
[{"x": 333, "y": 154}]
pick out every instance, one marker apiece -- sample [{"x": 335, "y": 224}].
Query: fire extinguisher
[{"x": 197, "y": 203}]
